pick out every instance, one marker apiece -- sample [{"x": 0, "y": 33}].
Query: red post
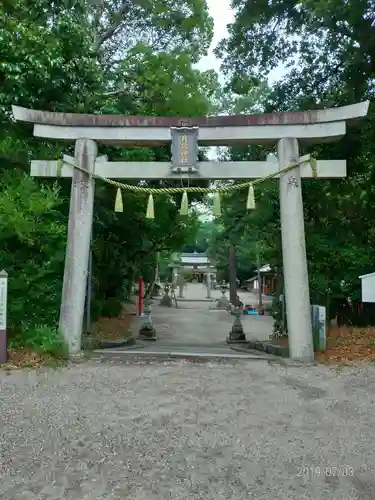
[{"x": 140, "y": 300}]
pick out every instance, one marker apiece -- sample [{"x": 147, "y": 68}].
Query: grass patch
[
  {"x": 41, "y": 339},
  {"x": 36, "y": 345}
]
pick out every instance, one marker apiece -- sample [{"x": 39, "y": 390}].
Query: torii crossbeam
[{"x": 286, "y": 130}]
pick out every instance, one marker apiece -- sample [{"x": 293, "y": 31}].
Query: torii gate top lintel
[
  {"x": 344, "y": 113},
  {"x": 312, "y": 126}
]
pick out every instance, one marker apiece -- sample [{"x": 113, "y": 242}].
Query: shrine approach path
[{"x": 197, "y": 326}]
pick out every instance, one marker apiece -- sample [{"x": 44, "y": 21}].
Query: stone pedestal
[
  {"x": 166, "y": 300},
  {"x": 223, "y": 302},
  {"x": 236, "y": 335},
  {"x": 146, "y": 329}
]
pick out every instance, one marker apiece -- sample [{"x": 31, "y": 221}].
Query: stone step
[{"x": 177, "y": 354}]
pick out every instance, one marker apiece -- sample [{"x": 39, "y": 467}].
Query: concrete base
[
  {"x": 275, "y": 350},
  {"x": 147, "y": 334},
  {"x": 77, "y": 357},
  {"x": 234, "y": 340},
  {"x": 166, "y": 301},
  {"x": 181, "y": 355},
  {"x": 144, "y": 338},
  {"x": 111, "y": 344}
]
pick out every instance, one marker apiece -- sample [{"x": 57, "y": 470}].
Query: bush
[
  {"x": 41, "y": 339},
  {"x": 112, "y": 307},
  {"x": 277, "y": 314},
  {"x": 32, "y": 249}
]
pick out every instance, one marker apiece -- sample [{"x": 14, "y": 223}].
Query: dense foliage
[
  {"x": 327, "y": 51},
  {"x": 105, "y": 57}
]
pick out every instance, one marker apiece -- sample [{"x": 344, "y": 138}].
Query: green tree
[
  {"x": 32, "y": 249},
  {"x": 327, "y": 50},
  {"x": 103, "y": 57}
]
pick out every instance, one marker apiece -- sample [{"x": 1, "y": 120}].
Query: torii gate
[{"x": 286, "y": 130}]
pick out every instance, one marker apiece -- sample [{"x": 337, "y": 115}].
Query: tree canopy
[{"x": 326, "y": 50}]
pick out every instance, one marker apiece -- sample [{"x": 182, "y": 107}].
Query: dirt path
[{"x": 182, "y": 431}]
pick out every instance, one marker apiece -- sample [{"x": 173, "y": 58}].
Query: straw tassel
[
  {"x": 150, "y": 208},
  {"x": 314, "y": 168},
  {"x": 250, "y": 204},
  {"x": 119, "y": 207},
  {"x": 184, "y": 209},
  {"x": 216, "y": 207}
]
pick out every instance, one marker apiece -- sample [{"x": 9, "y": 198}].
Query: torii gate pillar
[
  {"x": 78, "y": 246},
  {"x": 296, "y": 279}
]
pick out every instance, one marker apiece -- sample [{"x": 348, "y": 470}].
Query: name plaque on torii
[{"x": 184, "y": 149}]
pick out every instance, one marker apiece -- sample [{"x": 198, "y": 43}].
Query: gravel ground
[{"x": 178, "y": 430}]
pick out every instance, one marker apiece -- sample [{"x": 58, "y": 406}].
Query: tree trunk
[
  {"x": 151, "y": 285},
  {"x": 131, "y": 279},
  {"x": 232, "y": 274}
]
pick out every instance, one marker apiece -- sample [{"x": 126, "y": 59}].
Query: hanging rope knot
[{"x": 184, "y": 209}]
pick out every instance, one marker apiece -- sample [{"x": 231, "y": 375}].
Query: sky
[{"x": 223, "y": 14}]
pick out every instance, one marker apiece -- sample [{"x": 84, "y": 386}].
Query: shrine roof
[{"x": 192, "y": 259}]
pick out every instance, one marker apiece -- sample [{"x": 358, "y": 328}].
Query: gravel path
[{"x": 177, "y": 430}]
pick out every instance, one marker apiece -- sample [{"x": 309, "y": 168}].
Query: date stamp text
[{"x": 326, "y": 471}]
